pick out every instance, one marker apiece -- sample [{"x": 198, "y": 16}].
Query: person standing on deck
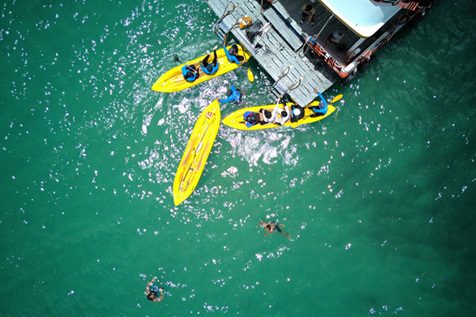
[{"x": 308, "y": 14}]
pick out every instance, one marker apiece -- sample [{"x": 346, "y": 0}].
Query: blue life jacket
[
  {"x": 210, "y": 69},
  {"x": 312, "y": 40},
  {"x": 323, "y": 108},
  {"x": 231, "y": 58},
  {"x": 233, "y": 95},
  {"x": 190, "y": 73},
  {"x": 251, "y": 118}
]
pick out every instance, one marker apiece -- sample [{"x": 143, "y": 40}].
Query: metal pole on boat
[
  {"x": 305, "y": 46},
  {"x": 315, "y": 36},
  {"x": 325, "y": 24}
]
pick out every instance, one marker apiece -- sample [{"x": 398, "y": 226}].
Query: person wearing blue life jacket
[
  {"x": 263, "y": 116},
  {"x": 234, "y": 95},
  {"x": 233, "y": 55},
  {"x": 153, "y": 292},
  {"x": 190, "y": 73},
  {"x": 320, "y": 109},
  {"x": 251, "y": 118},
  {"x": 210, "y": 68}
]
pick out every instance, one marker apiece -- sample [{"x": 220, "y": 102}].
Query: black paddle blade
[{"x": 177, "y": 59}]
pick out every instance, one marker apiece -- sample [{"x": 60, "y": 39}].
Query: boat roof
[{"x": 364, "y": 17}]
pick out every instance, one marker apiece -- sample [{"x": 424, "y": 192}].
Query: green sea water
[{"x": 379, "y": 198}]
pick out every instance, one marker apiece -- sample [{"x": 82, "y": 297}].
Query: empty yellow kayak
[
  {"x": 196, "y": 153},
  {"x": 173, "y": 79},
  {"x": 236, "y": 119}
]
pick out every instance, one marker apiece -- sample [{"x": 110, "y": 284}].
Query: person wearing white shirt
[
  {"x": 278, "y": 115},
  {"x": 282, "y": 117}
]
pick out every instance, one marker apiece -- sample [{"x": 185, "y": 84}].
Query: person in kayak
[
  {"x": 297, "y": 113},
  {"x": 272, "y": 226},
  {"x": 210, "y": 68},
  {"x": 190, "y": 73},
  {"x": 251, "y": 118},
  {"x": 233, "y": 55},
  {"x": 283, "y": 117},
  {"x": 278, "y": 115},
  {"x": 234, "y": 95},
  {"x": 320, "y": 109},
  {"x": 264, "y": 116},
  {"x": 153, "y": 292}
]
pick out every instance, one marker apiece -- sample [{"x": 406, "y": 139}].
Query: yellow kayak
[
  {"x": 236, "y": 119},
  {"x": 173, "y": 79},
  {"x": 196, "y": 153}
]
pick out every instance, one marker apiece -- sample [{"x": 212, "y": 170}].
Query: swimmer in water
[
  {"x": 272, "y": 226},
  {"x": 153, "y": 292}
]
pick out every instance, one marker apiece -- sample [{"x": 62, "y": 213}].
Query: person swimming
[
  {"x": 233, "y": 95},
  {"x": 233, "y": 54},
  {"x": 272, "y": 226},
  {"x": 153, "y": 292},
  {"x": 210, "y": 68},
  {"x": 190, "y": 73}
]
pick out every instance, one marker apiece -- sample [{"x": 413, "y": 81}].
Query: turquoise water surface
[{"x": 378, "y": 198}]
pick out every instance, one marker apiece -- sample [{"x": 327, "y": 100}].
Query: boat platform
[{"x": 280, "y": 51}]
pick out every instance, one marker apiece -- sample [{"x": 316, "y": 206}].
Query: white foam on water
[
  {"x": 183, "y": 106},
  {"x": 145, "y": 123},
  {"x": 262, "y": 147},
  {"x": 232, "y": 171}
]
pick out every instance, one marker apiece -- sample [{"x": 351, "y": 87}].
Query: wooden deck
[{"x": 281, "y": 53}]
